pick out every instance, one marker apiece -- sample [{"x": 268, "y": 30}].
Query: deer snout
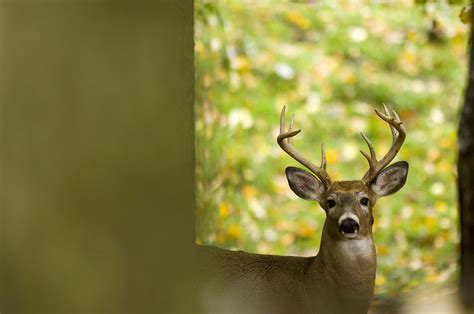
[{"x": 349, "y": 225}]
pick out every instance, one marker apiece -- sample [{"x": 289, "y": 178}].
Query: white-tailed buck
[{"x": 340, "y": 279}]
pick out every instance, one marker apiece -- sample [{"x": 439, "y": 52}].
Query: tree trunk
[{"x": 466, "y": 186}]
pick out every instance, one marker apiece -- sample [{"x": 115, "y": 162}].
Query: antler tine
[
  {"x": 387, "y": 113},
  {"x": 398, "y": 137},
  {"x": 282, "y": 120},
  {"x": 320, "y": 172},
  {"x": 323, "y": 157},
  {"x": 371, "y": 149},
  {"x": 292, "y": 120}
]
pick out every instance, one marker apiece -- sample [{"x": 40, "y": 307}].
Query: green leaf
[{"x": 466, "y": 14}]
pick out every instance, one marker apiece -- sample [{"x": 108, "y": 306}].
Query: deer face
[{"x": 348, "y": 204}]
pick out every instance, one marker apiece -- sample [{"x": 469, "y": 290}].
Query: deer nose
[{"x": 349, "y": 225}]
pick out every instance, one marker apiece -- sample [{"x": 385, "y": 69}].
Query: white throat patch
[{"x": 357, "y": 249}]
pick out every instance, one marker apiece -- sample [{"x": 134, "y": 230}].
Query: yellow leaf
[
  {"x": 433, "y": 153},
  {"x": 287, "y": 239},
  {"x": 432, "y": 278},
  {"x": 411, "y": 36},
  {"x": 243, "y": 63},
  {"x": 234, "y": 231},
  {"x": 348, "y": 77},
  {"x": 380, "y": 280},
  {"x": 431, "y": 222},
  {"x": 408, "y": 56},
  {"x": 382, "y": 250},
  {"x": 299, "y": 20},
  {"x": 249, "y": 191},
  {"x": 331, "y": 156},
  {"x": 441, "y": 206},
  {"x": 224, "y": 209},
  {"x": 428, "y": 259},
  {"x": 263, "y": 248},
  {"x": 351, "y": 79},
  {"x": 199, "y": 47},
  {"x": 305, "y": 230},
  {"x": 447, "y": 142}
]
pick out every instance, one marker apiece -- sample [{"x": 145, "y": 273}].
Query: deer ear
[
  {"x": 390, "y": 180},
  {"x": 304, "y": 184}
]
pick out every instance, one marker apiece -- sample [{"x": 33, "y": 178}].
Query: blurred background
[
  {"x": 331, "y": 63},
  {"x": 95, "y": 175}
]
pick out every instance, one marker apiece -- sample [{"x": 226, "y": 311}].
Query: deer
[{"x": 341, "y": 277}]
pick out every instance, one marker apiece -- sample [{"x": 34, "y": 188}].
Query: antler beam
[
  {"x": 284, "y": 140},
  {"x": 398, "y": 137}
]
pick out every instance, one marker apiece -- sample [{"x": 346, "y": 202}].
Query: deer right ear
[{"x": 304, "y": 184}]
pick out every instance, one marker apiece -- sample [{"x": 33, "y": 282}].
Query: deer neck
[
  {"x": 345, "y": 267},
  {"x": 347, "y": 254}
]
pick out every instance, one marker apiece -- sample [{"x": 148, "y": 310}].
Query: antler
[
  {"x": 398, "y": 137},
  {"x": 284, "y": 140}
]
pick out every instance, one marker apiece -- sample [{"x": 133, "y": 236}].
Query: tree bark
[{"x": 466, "y": 186}]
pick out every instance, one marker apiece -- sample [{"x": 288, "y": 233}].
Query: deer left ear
[{"x": 390, "y": 180}]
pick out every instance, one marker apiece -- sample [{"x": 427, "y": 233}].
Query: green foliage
[
  {"x": 466, "y": 14},
  {"x": 331, "y": 63}
]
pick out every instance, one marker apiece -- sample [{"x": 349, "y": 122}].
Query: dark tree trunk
[{"x": 466, "y": 186}]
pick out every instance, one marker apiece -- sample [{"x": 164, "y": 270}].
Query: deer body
[
  {"x": 289, "y": 284},
  {"x": 341, "y": 277}
]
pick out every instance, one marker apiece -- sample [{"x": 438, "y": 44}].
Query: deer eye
[
  {"x": 331, "y": 203},
  {"x": 364, "y": 201}
]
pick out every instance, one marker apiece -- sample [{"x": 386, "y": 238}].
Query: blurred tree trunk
[{"x": 466, "y": 186}]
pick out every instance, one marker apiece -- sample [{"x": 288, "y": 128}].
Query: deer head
[{"x": 348, "y": 204}]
